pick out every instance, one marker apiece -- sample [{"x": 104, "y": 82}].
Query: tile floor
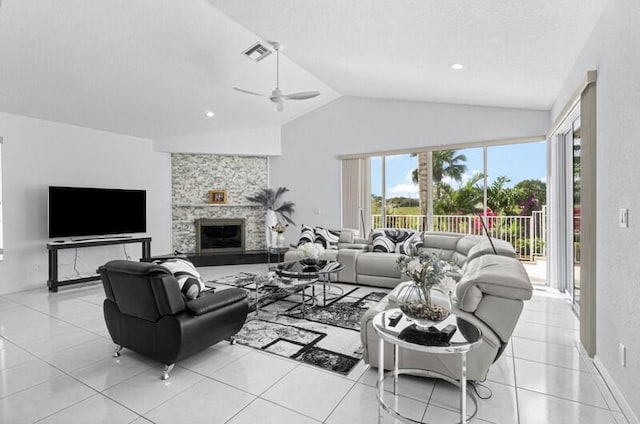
[{"x": 56, "y": 367}]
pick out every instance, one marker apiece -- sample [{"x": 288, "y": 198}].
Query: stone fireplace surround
[{"x": 193, "y": 175}]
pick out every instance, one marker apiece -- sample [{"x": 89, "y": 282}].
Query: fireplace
[{"x": 219, "y": 235}]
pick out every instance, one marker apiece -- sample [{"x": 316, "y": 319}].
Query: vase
[
  {"x": 424, "y": 306},
  {"x": 280, "y": 240},
  {"x": 270, "y": 220},
  {"x": 309, "y": 261}
]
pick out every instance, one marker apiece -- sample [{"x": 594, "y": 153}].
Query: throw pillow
[
  {"x": 187, "y": 275},
  {"x": 327, "y": 238},
  {"x": 409, "y": 242},
  {"x": 383, "y": 240},
  {"x": 307, "y": 235}
]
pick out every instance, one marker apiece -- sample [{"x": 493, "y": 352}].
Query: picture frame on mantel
[{"x": 218, "y": 197}]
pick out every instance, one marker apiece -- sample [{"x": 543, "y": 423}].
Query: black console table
[{"x": 54, "y": 247}]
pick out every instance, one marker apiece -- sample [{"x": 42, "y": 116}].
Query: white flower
[
  {"x": 427, "y": 270},
  {"x": 414, "y": 267},
  {"x": 448, "y": 285},
  {"x": 310, "y": 250}
]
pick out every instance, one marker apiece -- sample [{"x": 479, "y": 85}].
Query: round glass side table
[{"x": 465, "y": 338}]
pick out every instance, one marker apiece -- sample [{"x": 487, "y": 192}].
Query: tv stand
[
  {"x": 54, "y": 247},
  {"x": 102, "y": 238}
]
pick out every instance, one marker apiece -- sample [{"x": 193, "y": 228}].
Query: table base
[
  {"x": 420, "y": 373},
  {"x": 307, "y": 300}
]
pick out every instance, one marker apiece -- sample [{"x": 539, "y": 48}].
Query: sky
[{"x": 516, "y": 161}]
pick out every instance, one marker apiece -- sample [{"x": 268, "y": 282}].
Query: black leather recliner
[{"x": 145, "y": 312}]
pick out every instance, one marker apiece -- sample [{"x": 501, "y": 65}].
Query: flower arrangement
[
  {"x": 310, "y": 251},
  {"x": 427, "y": 271},
  {"x": 279, "y": 227}
]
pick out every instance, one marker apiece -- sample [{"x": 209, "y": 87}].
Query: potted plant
[
  {"x": 277, "y": 210},
  {"x": 422, "y": 299}
]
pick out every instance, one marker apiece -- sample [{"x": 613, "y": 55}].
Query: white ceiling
[
  {"x": 148, "y": 68},
  {"x": 518, "y": 53},
  {"x": 152, "y": 67}
]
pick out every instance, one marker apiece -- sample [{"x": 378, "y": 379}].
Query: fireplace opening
[{"x": 219, "y": 235}]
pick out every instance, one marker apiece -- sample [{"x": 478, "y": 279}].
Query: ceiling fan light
[{"x": 278, "y": 106}]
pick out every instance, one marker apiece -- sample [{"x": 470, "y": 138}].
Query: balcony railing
[{"x": 527, "y": 234}]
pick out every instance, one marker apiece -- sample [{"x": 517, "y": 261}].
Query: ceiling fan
[{"x": 277, "y": 96}]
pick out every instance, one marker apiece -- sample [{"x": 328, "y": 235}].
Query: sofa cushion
[
  {"x": 327, "y": 238},
  {"x": 493, "y": 275},
  {"x": 441, "y": 244},
  {"x": 378, "y": 263},
  {"x": 466, "y": 243},
  {"x": 484, "y": 247},
  {"x": 348, "y": 235}
]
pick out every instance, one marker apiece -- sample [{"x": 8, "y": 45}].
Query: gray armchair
[{"x": 490, "y": 295}]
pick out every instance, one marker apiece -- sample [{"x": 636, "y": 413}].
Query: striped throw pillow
[
  {"x": 327, "y": 238},
  {"x": 383, "y": 240},
  {"x": 307, "y": 235},
  {"x": 411, "y": 242}
]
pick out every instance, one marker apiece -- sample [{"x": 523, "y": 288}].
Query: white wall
[
  {"x": 613, "y": 50},
  {"x": 310, "y": 166},
  {"x": 39, "y": 153},
  {"x": 250, "y": 142}
]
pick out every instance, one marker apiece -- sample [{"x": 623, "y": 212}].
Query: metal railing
[{"x": 527, "y": 234}]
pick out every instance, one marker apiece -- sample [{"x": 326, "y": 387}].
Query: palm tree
[
  {"x": 501, "y": 199},
  {"x": 468, "y": 196},
  {"x": 445, "y": 163}
]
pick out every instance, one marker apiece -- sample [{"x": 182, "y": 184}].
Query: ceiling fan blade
[
  {"x": 302, "y": 95},
  {"x": 249, "y": 92}
]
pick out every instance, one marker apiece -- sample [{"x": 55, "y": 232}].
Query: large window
[
  {"x": 394, "y": 198},
  {"x": 499, "y": 189}
]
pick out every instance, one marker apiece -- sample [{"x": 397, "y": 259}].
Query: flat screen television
[{"x": 84, "y": 211}]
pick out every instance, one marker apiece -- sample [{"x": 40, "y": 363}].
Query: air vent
[{"x": 257, "y": 52}]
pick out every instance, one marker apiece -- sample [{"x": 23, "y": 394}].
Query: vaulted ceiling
[{"x": 151, "y": 68}]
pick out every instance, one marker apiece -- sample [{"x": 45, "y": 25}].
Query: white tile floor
[{"x": 56, "y": 367}]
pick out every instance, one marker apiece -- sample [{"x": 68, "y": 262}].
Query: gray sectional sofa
[
  {"x": 490, "y": 293},
  {"x": 364, "y": 266}
]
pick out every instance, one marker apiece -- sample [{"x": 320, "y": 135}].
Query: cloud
[
  {"x": 409, "y": 176},
  {"x": 403, "y": 190}
]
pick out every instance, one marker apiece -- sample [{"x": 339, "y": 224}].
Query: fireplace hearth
[{"x": 220, "y": 235}]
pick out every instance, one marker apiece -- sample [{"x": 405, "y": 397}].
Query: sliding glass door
[
  {"x": 517, "y": 198},
  {"x": 499, "y": 188},
  {"x": 573, "y": 145},
  {"x": 395, "y": 199}
]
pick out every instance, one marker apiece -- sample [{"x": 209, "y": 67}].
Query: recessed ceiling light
[
  {"x": 209, "y": 114},
  {"x": 457, "y": 66}
]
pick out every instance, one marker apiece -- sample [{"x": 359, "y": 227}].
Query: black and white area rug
[{"x": 327, "y": 336}]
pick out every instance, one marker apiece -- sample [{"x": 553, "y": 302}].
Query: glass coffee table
[
  {"x": 296, "y": 270},
  {"x": 293, "y": 286},
  {"x": 465, "y": 338}
]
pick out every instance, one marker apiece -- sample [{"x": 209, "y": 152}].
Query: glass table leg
[{"x": 463, "y": 387}]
